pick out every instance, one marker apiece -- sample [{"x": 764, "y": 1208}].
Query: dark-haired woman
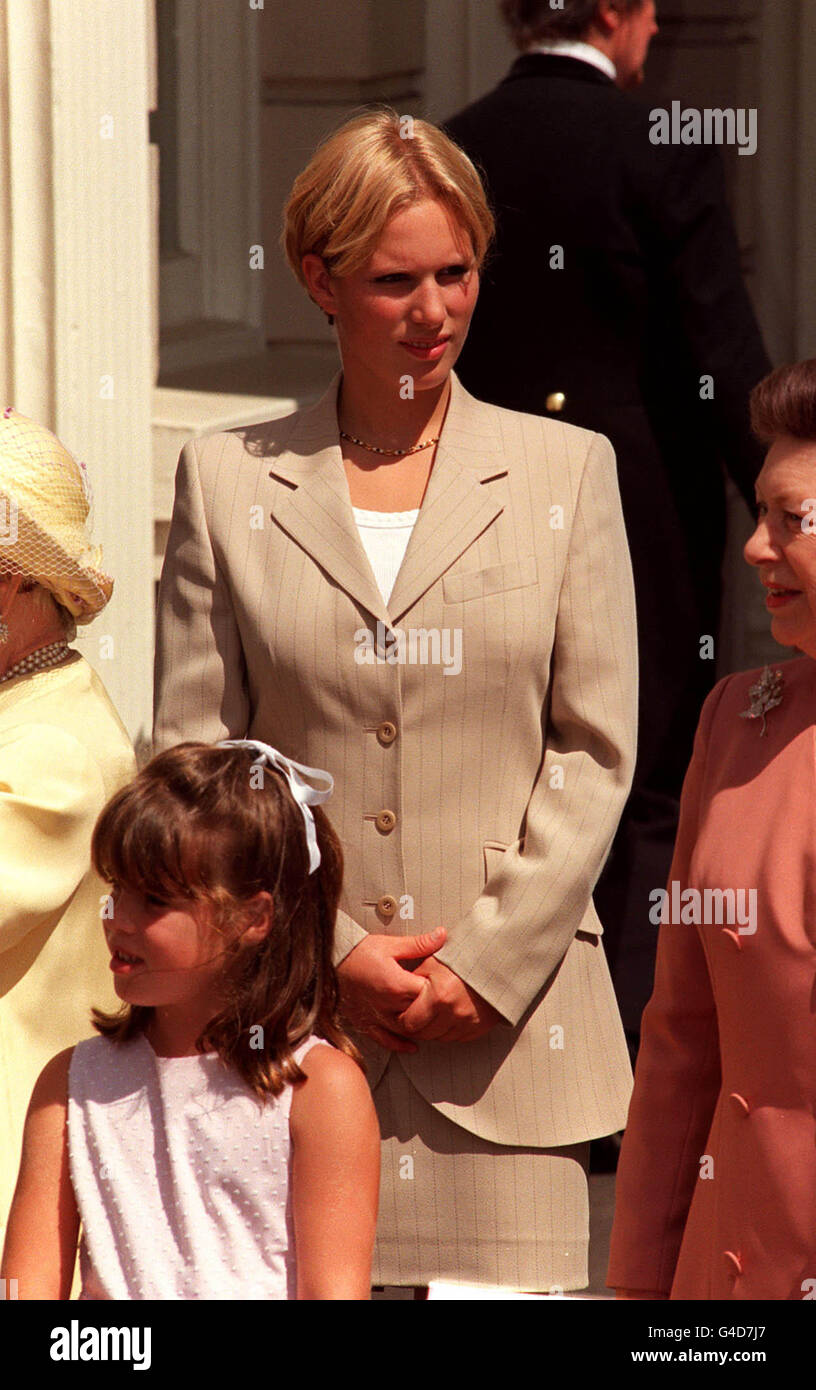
[{"x": 716, "y": 1187}]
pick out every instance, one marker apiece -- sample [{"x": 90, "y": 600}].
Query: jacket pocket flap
[
  {"x": 458, "y": 588},
  {"x": 492, "y": 852}
]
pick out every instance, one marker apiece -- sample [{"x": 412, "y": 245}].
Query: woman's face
[
  {"x": 783, "y": 546},
  {"x": 406, "y": 312}
]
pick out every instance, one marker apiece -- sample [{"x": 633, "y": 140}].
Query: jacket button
[
  {"x": 733, "y": 1262},
  {"x": 386, "y": 905},
  {"x": 740, "y": 1103},
  {"x": 385, "y": 822},
  {"x": 387, "y": 732},
  {"x": 556, "y": 400},
  {"x": 732, "y": 937}
]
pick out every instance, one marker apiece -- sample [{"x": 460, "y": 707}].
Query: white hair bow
[{"x": 305, "y": 796}]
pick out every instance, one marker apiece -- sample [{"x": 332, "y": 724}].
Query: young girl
[{"x": 218, "y": 1140}]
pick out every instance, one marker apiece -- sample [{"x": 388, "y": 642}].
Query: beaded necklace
[
  {"x": 40, "y": 660},
  {"x": 392, "y": 453}
]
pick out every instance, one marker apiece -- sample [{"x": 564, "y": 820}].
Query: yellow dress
[{"x": 63, "y": 753}]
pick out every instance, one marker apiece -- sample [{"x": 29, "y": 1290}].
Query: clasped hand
[{"x": 394, "y": 1006}]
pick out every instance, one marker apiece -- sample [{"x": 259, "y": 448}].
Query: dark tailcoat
[{"x": 650, "y": 300}]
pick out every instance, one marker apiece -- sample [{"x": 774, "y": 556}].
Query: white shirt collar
[{"x": 573, "y": 48}]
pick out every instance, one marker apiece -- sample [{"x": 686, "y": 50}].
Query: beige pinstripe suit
[{"x": 505, "y": 781}]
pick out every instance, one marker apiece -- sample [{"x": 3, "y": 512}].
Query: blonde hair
[{"x": 365, "y": 172}]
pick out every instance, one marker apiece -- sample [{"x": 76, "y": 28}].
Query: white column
[
  {"x": 28, "y": 282},
  {"x": 78, "y": 309}
]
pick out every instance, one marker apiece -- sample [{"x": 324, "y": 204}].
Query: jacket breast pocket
[{"x": 496, "y": 579}]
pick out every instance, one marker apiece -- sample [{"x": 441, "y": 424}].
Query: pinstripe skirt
[{"x": 455, "y": 1207}]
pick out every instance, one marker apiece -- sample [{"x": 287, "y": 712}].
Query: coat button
[
  {"x": 733, "y": 1262},
  {"x": 387, "y": 732},
  {"x": 556, "y": 400},
  {"x": 385, "y": 822},
  {"x": 740, "y": 1103},
  {"x": 386, "y": 905},
  {"x": 732, "y": 937}
]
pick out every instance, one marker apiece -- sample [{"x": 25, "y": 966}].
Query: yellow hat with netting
[{"x": 45, "y": 518}]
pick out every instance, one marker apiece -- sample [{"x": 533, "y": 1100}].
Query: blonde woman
[{"x": 432, "y": 598}]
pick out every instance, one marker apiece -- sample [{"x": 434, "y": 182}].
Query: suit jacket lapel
[
  {"x": 456, "y": 510},
  {"x": 317, "y": 512}
]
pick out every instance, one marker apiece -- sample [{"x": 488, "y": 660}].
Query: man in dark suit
[{"x": 615, "y": 301}]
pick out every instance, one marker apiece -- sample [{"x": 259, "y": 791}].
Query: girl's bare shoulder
[
  {"x": 335, "y": 1086},
  {"x": 51, "y": 1086}
]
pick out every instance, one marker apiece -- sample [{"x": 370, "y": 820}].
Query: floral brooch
[{"x": 764, "y": 696}]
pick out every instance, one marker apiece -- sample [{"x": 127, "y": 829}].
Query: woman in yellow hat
[{"x": 63, "y": 753}]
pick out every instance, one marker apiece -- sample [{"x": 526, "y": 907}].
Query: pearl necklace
[
  {"x": 40, "y": 660},
  {"x": 392, "y": 453}
]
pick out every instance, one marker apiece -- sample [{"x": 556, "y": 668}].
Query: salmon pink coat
[{"x": 716, "y": 1189}]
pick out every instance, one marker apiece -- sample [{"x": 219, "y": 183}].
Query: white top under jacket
[{"x": 385, "y": 537}]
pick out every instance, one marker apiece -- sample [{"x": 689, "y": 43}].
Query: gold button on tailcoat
[{"x": 556, "y": 401}]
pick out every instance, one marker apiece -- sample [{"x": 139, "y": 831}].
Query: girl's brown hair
[
  {"x": 784, "y": 403},
  {"x": 215, "y": 827}
]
